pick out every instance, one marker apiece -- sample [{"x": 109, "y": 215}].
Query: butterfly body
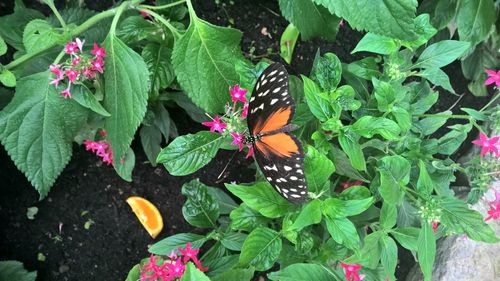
[{"x": 279, "y": 154}]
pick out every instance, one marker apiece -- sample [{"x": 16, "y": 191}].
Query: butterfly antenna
[{"x": 228, "y": 162}]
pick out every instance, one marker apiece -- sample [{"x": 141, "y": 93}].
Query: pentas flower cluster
[
  {"x": 494, "y": 211},
  {"x": 78, "y": 67},
  {"x": 431, "y": 212},
  {"x": 231, "y": 123},
  {"x": 351, "y": 272},
  {"x": 493, "y": 78},
  {"x": 101, "y": 148},
  {"x": 173, "y": 268},
  {"x": 488, "y": 144}
]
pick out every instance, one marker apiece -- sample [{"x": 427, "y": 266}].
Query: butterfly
[{"x": 279, "y": 154}]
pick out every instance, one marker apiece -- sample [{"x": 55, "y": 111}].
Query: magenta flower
[
  {"x": 79, "y": 44},
  {"x": 98, "y": 52},
  {"x": 97, "y": 64},
  {"x": 54, "y": 68},
  {"x": 177, "y": 268},
  {"x": 88, "y": 72},
  {"x": 76, "y": 61},
  {"x": 145, "y": 14},
  {"x": 101, "y": 149},
  {"x": 351, "y": 271},
  {"x": 435, "y": 225},
  {"x": 238, "y": 94},
  {"x": 245, "y": 110},
  {"x": 493, "y": 77},
  {"x": 237, "y": 140},
  {"x": 70, "y": 48},
  {"x": 66, "y": 93},
  {"x": 72, "y": 74},
  {"x": 487, "y": 144},
  {"x": 250, "y": 151},
  {"x": 188, "y": 253},
  {"x": 173, "y": 255},
  {"x": 216, "y": 125},
  {"x": 494, "y": 211}
]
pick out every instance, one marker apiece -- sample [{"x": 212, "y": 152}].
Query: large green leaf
[
  {"x": 388, "y": 255},
  {"x": 351, "y": 147},
  {"x": 343, "y": 232},
  {"x": 193, "y": 274},
  {"x": 394, "y": 174},
  {"x": 85, "y": 98},
  {"x": 310, "y": 214},
  {"x": 235, "y": 274},
  {"x": 166, "y": 246},
  {"x": 475, "y": 19},
  {"x": 3, "y": 46},
  {"x": 37, "y": 129},
  {"x": 377, "y": 44},
  {"x": 450, "y": 142},
  {"x": 302, "y": 272},
  {"x": 337, "y": 208},
  {"x": 126, "y": 94},
  {"x": 326, "y": 71},
  {"x": 426, "y": 250},
  {"x": 204, "y": 59},
  {"x": 262, "y": 198},
  {"x": 200, "y": 208},
  {"x": 318, "y": 104},
  {"x": 39, "y": 35},
  {"x": 392, "y": 18},
  {"x": 318, "y": 169},
  {"x": 161, "y": 72},
  {"x": 245, "y": 218},
  {"x": 14, "y": 270},
  {"x": 226, "y": 203},
  {"x": 407, "y": 237},
  {"x": 12, "y": 26},
  {"x": 188, "y": 153},
  {"x": 261, "y": 248},
  {"x": 312, "y": 20},
  {"x": 367, "y": 126},
  {"x": 233, "y": 240},
  {"x": 437, "y": 77},
  {"x": 441, "y": 53}
]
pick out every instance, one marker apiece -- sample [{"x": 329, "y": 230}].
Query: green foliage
[
  {"x": 193, "y": 274},
  {"x": 39, "y": 35},
  {"x": 261, "y": 248},
  {"x": 302, "y": 271},
  {"x": 287, "y": 42},
  {"x": 14, "y": 270},
  {"x": 200, "y": 208},
  {"x": 169, "y": 244}
]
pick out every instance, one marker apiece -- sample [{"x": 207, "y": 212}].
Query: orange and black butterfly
[{"x": 279, "y": 154}]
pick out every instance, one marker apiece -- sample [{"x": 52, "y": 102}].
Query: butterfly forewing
[{"x": 279, "y": 154}]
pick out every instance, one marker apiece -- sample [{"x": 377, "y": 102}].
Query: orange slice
[{"x": 147, "y": 214}]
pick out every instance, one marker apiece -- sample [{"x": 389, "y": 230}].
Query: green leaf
[
  {"x": 423, "y": 97},
  {"x": 302, "y": 272},
  {"x": 437, "y": 77},
  {"x": 262, "y": 198},
  {"x": 392, "y": 18},
  {"x": 166, "y": 246},
  {"x": 39, "y": 35},
  {"x": 458, "y": 218},
  {"x": 479, "y": 116},
  {"x": 407, "y": 237},
  {"x": 431, "y": 124},
  {"x": 426, "y": 250},
  {"x": 474, "y": 20},
  {"x": 85, "y": 98},
  {"x": 3, "y": 47},
  {"x": 200, "y": 208},
  {"x": 367, "y": 126},
  {"x": 126, "y": 88},
  {"x": 336, "y": 208},
  {"x": 326, "y": 71},
  {"x": 188, "y": 153},
  {"x": 312, "y": 20},
  {"x": 388, "y": 255},
  {"x": 342, "y": 164},
  {"x": 366, "y": 68},
  {"x": 424, "y": 30},
  {"x": 403, "y": 118},
  {"x": 8, "y": 78},
  {"x": 14, "y": 270},
  {"x": 441, "y": 53},
  {"x": 134, "y": 273},
  {"x": 388, "y": 216},
  {"x": 343, "y": 232},
  {"x": 235, "y": 274},
  {"x": 136, "y": 28},
  {"x": 369, "y": 255},
  {"x": 444, "y": 12},
  {"x": 226, "y": 203},
  {"x": 377, "y": 44},
  {"x": 12, "y": 26},
  {"x": 424, "y": 183},
  {"x": 46, "y": 123},
  {"x": 193, "y": 274},
  {"x": 261, "y": 249},
  {"x": 151, "y": 142},
  {"x": 204, "y": 59},
  {"x": 245, "y": 218},
  {"x": 233, "y": 240},
  {"x": 450, "y": 142},
  {"x": 318, "y": 169},
  {"x": 161, "y": 72},
  {"x": 394, "y": 173},
  {"x": 481, "y": 58},
  {"x": 310, "y": 214},
  {"x": 318, "y": 105},
  {"x": 287, "y": 42},
  {"x": 384, "y": 94},
  {"x": 220, "y": 265},
  {"x": 351, "y": 147}
]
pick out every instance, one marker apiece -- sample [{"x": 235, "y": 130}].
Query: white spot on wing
[
  {"x": 295, "y": 195},
  {"x": 273, "y": 72},
  {"x": 252, "y": 99},
  {"x": 271, "y": 168},
  {"x": 273, "y": 101},
  {"x": 287, "y": 168},
  {"x": 294, "y": 178},
  {"x": 276, "y": 90}
]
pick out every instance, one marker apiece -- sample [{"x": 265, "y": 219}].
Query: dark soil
[{"x": 89, "y": 190}]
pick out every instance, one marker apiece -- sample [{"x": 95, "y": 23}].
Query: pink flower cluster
[
  {"x": 487, "y": 144},
  {"x": 493, "y": 78},
  {"x": 233, "y": 115},
  {"x": 351, "y": 272},
  {"x": 101, "y": 148},
  {"x": 79, "y": 67},
  {"x": 172, "y": 268},
  {"x": 494, "y": 211}
]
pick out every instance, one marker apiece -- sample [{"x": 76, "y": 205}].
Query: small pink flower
[
  {"x": 66, "y": 93},
  {"x": 245, "y": 110},
  {"x": 493, "y": 77},
  {"x": 98, "y": 52},
  {"x": 494, "y": 211},
  {"x": 351, "y": 271},
  {"x": 435, "y": 226},
  {"x": 88, "y": 72},
  {"x": 487, "y": 144},
  {"x": 54, "y": 68},
  {"x": 237, "y": 140},
  {"x": 188, "y": 253},
  {"x": 70, "y": 48},
  {"x": 177, "y": 268},
  {"x": 173, "y": 255},
  {"x": 238, "y": 94},
  {"x": 79, "y": 43},
  {"x": 144, "y": 14},
  {"x": 72, "y": 74},
  {"x": 347, "y": 184},
  {"x": 97, "y": 64},
  {"x": 76, "y": 61},
  {"x": 250, "y": 151},
  {"x": 216, "y": 125}
]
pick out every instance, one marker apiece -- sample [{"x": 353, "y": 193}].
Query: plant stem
[
  {"x": 162, "y": 6},
  {"x": 56, "y": 13},
  {"x": 59, "y": 57},
  {"x": 490, "y": 103},
  {"x": 159, "y": 18},
  {"x": 445, "y": 115},
  {"x": 118, "y": 13}
]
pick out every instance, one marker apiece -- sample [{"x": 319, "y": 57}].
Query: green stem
[
  {"x": 192, "y": 13},
  {"x": 59, "y": 57},
  {"x": 118, "y": 13},
  {"x": 490, "y": 103},
  {"x": 159, "y": 18},
  {"x": 445, "y": 115},
  {"x": 162, "y": 6},
  {"x": 57, "y": 14}
]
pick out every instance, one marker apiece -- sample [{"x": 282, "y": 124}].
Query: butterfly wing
[{"x": 279, "y": 154}]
